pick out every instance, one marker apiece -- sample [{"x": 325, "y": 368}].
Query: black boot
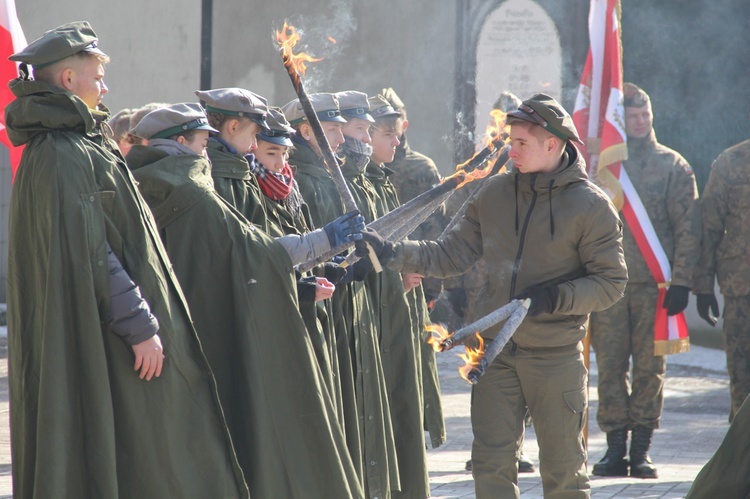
[
  {"x": 614, "y": 463},
  {"x": 640, "y": 464}
]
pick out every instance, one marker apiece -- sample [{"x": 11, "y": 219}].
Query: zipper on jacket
[{"x": 517, "y": 263}]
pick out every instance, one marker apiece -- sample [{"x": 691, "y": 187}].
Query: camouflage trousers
[
  {"x": 552, "y": 383},
  {"x": 623, "y": 331},
  {"x": 737, "y": 346}
]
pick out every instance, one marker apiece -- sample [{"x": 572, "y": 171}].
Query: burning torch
[
  {"x": 479, "y": 359},
  {"x": 296, "y": 67}
]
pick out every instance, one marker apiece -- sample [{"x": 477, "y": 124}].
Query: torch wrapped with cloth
[
  {"x": 401, "y": 222},
  {"x": 479, "y": 359}
]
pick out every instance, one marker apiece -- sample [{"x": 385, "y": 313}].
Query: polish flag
[
  {"x": 11, "y": 41},
  {"x": 599, "y": 116}
]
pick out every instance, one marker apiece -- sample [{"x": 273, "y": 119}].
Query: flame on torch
[
  {"x": 472, "y": 358},
  {"x": 496, "y": 128},
  {"x": 287, "y": 38},
  {"x": 437, "y": 334}
]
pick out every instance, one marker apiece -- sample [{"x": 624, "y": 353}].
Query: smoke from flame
[{"x": 472, "y": 358}]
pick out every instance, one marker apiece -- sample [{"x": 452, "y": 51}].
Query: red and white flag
[
  {"x": 11, "y": 41},
  {"x": 599, "y": 116}
]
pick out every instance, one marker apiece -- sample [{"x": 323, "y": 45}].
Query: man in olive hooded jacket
[{"x": 561, "y": 246}]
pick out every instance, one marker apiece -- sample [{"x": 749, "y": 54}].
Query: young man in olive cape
[
  {"x": 240, "y": 285},
  {"x": 83, "y": 424}
]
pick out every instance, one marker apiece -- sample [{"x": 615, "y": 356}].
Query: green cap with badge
[
  {"x": 279, "y": 132},
  {"x": 58, "y": 44},
  {"x": 380, "y": 107},
  {"x": 326, "y": 107},
  {"x": 236, "y": 102},
  {"x": 172, "y": 120},
  {"x": 354, "y": 105},
  {"x": 543, "y": 110}
]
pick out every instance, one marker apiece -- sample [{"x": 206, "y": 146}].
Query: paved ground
[
  {"x": 693, "y": 424},
  {"x": 694, "y": 421}
]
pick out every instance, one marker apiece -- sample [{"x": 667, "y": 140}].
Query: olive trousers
[{"x": 552, "y": 382}]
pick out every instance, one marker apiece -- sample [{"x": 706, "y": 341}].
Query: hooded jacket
[
  {"x": 83, "y": 424},
  {"x": 532, "y": 229},
  {"x": 241, "y": 288}
]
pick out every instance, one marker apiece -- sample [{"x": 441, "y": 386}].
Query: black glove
[
  {"x": 333, "y": 272},
  {"x": 306, "y": 288},
  {"x": 345, "y": 228},
  {"x": 676, "y": 299},
  {"x": 383, "y": 247},
  {"x": 360, "y": 269},
  {"x": 543, "y": 299},
  {"x": 360, "y": 248},
  {"x": 708, "y": 308},
  {"x": 457, "y": 299}
]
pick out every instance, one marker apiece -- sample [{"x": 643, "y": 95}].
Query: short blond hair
[{"x": 47, "y": 74}]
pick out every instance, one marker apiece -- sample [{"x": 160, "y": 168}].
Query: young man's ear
[
  {"x": 304, "y": 130},
  {"x": 67, "y": 76},
  {"x": 406, "y": 125}
]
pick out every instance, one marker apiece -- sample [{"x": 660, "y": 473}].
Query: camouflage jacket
[
  {"x": 413, "y": 174},
  {"x": 666, "y": 185},
  {"x": 725, "y": 207}
]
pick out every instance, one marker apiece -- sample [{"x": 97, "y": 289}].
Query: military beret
[
  {"x": 392, "y": 97},
  {"x": 634, "y": 96},
  {"x": 326, "y": 106},
  {"x": 59, "y": 43},
  {"x": 236, "y": 102},
  {"x": 354, "y": 104},
  {"x": 545, "y": 111},
  {"x": 172, "y": 120},
  {"x": 380, "y": 107},
  {"x": 279, "y": 132}
]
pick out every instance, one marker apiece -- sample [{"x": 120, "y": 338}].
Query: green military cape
[
  {"x": 236, "y": 184},
  {"x": 83, "y": 424},
  {"x": 414, "y": 174},
  {"x": 318, "y": 316},
  {"x": 725, "y": 474},
  {"x": 357, "y": 330},
  {"x": 240, "y": 286},
  {"x": 400, "y": 350}
]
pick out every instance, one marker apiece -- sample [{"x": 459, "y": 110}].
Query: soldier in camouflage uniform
[
  {"x": 725, "y": 207},
  {"x": 666, "y": 185}
]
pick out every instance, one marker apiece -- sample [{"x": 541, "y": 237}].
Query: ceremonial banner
[{"x": 599, "y": 116}]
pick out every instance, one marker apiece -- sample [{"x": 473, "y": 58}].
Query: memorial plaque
[{"x": 519, "y": 51}]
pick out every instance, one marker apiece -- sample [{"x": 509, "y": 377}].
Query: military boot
[
  {"x": 640, "y": 464},
  {"x": 614, "y": 463}
]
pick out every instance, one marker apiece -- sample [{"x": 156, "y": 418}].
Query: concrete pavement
[{"x": 694, "y": 422}]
